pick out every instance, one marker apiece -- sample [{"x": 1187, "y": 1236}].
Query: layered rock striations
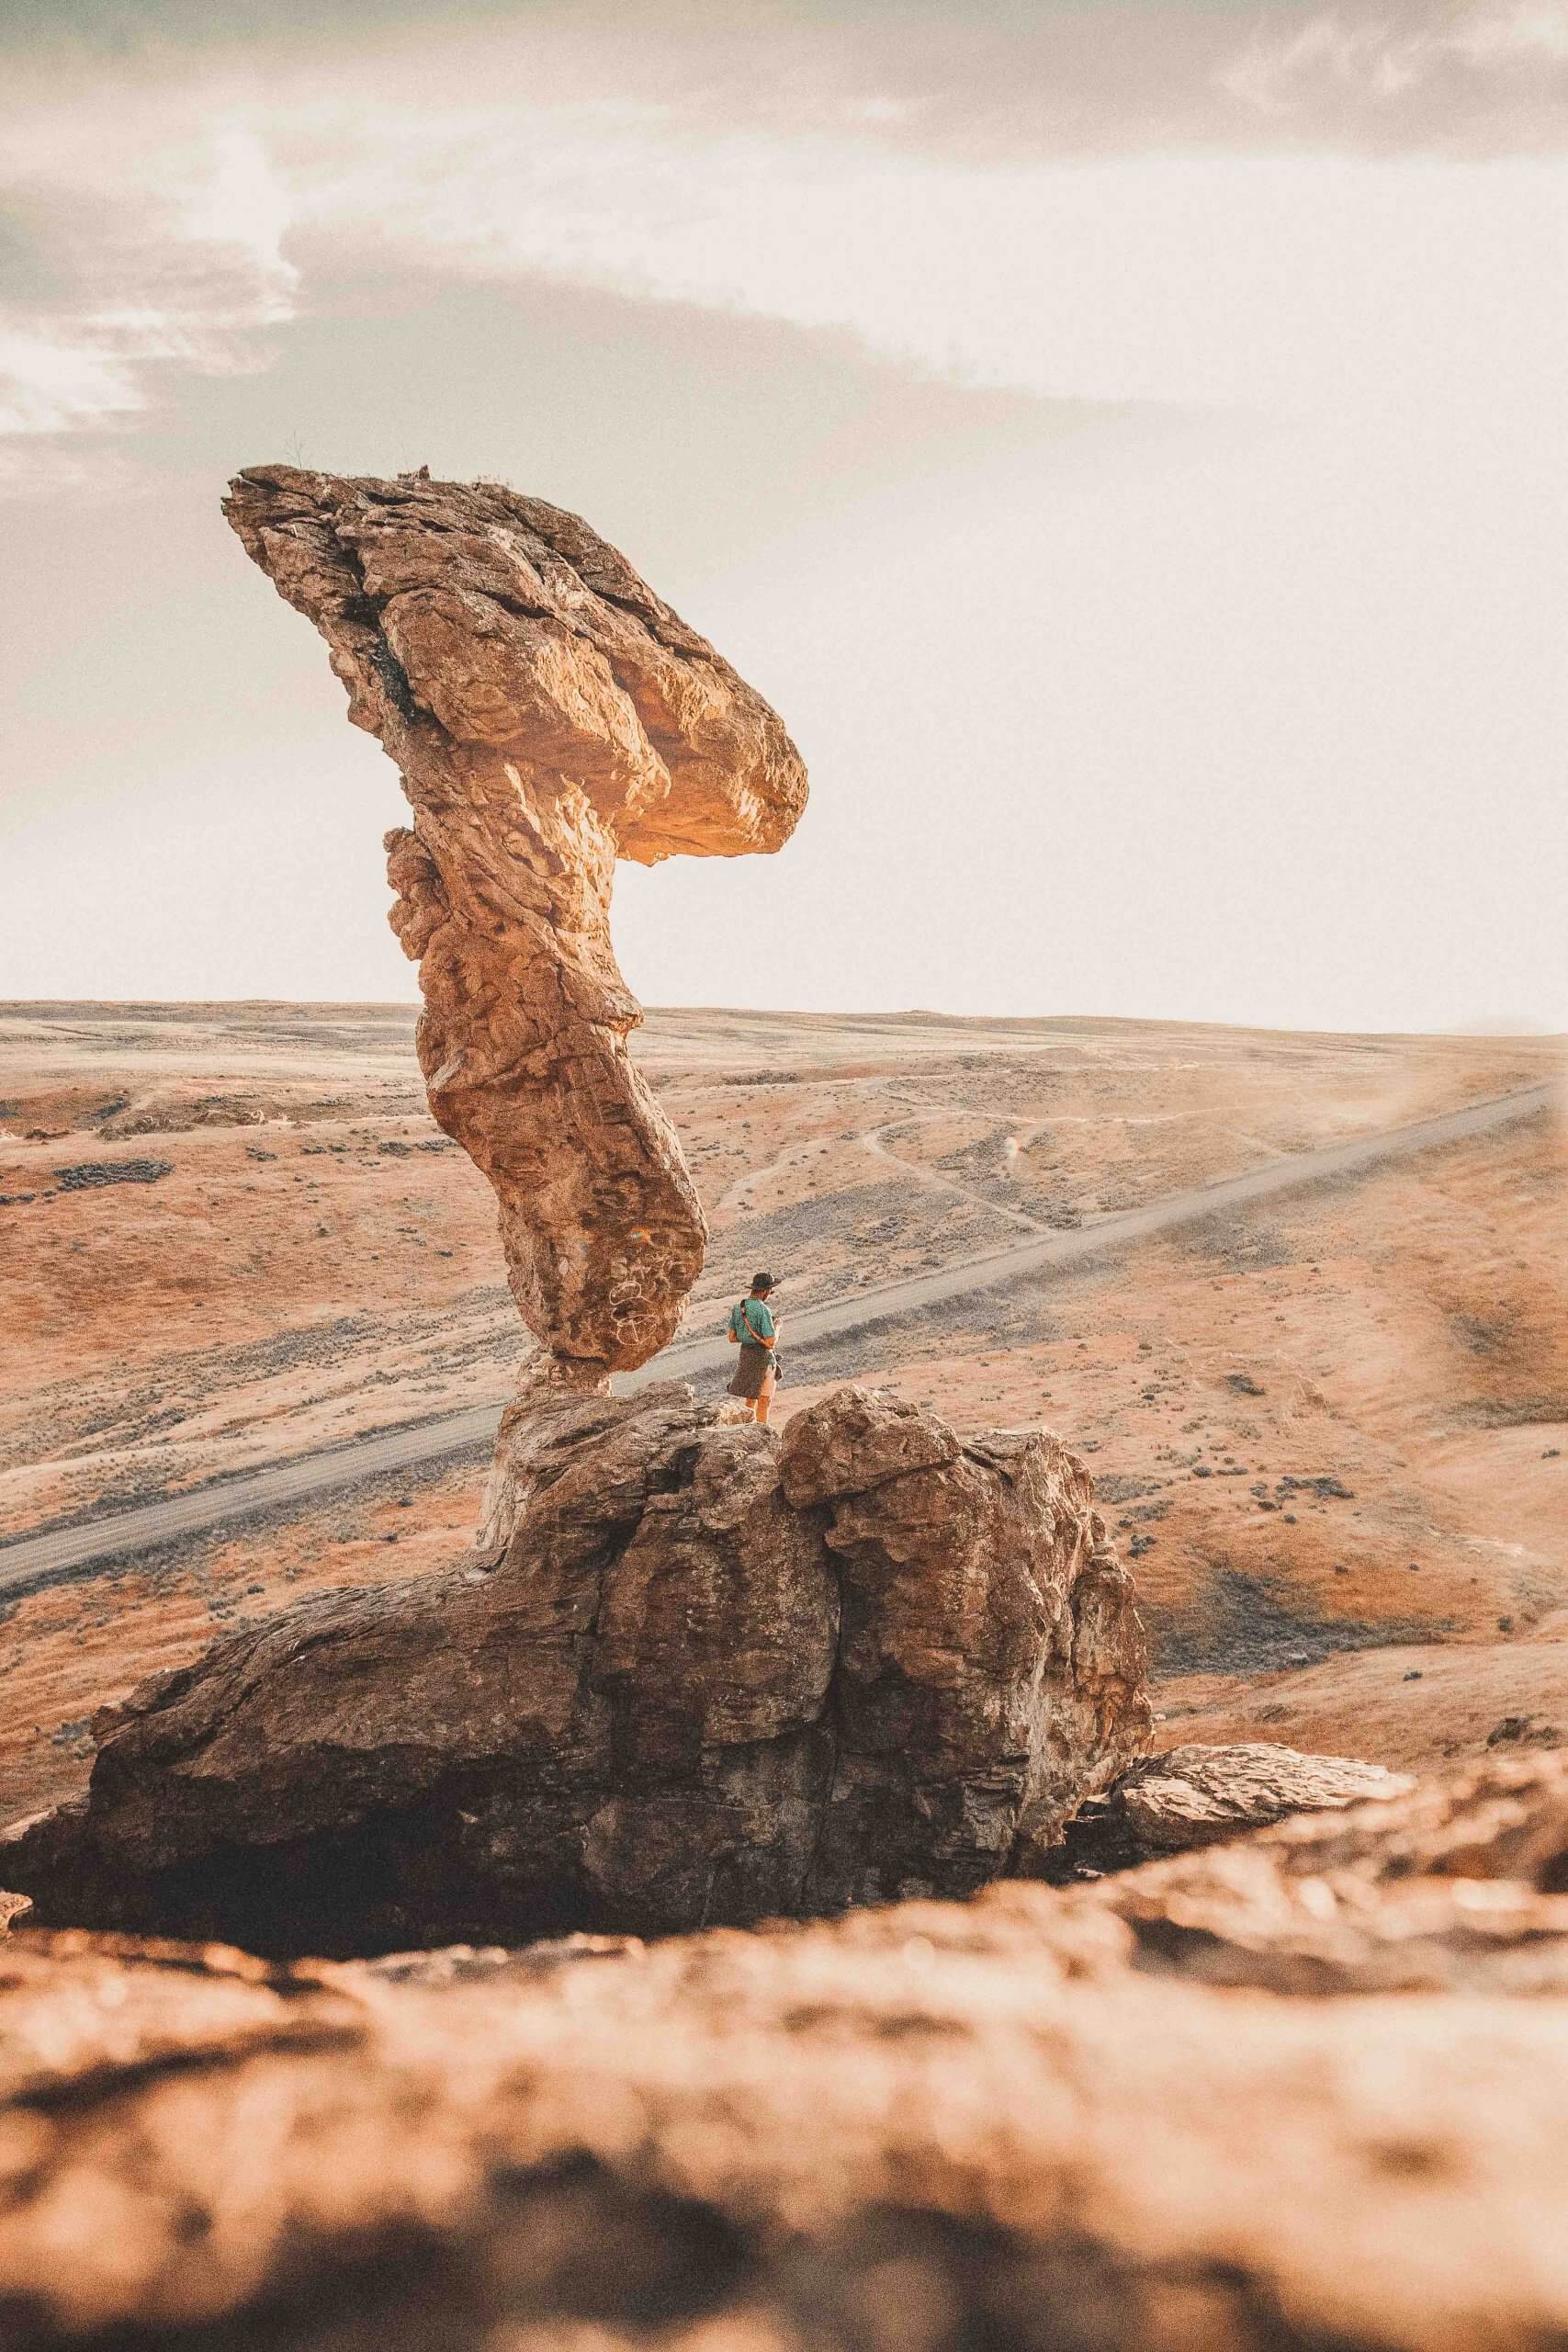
[
  {"x": 714, "y": 1678},
  {"x": 548, "y": 714},
  {"x": 1303, "y": 2091}
]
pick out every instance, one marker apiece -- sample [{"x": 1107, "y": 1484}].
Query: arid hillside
[{"x": 1330, "y": 1432}]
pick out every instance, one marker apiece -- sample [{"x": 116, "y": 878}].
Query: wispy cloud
[
  {"x": 1274, "y": 280},
  {"x": 165, "y": 241},
  {"x": 50, "y": 380},
  {"x": 187, "y": 214},
  {"x": 1419, "y": 75}
]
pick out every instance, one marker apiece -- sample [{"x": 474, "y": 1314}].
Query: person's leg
[{"x": 765, "y": 1400}]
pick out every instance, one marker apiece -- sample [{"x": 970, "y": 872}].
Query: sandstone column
[{"x": 548, "y": 714}]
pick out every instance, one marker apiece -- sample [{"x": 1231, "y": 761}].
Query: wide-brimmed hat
[{"x": 765, "y": 1282}]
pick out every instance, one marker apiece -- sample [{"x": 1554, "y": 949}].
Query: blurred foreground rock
[
  {"x": 714, "y": 1677},
  {"x": 1032, "y": 2124}
]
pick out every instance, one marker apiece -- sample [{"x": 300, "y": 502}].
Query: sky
[{"x": 1126, "y": 442}]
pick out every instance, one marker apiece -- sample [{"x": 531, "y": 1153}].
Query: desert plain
[{"x": 1329, "y": 1430}]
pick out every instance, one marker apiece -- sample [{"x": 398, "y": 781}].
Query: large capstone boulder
[{"x": 712, "y": 1676}]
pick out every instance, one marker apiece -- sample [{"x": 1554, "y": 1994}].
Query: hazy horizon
[
  {"x": 1067, "y": 1017},
  {"x": 1122, "y": 440}
]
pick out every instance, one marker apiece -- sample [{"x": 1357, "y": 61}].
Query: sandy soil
[
  {"x": 1333, "y": 1440},
  {"x": 286, "y": 1252}
]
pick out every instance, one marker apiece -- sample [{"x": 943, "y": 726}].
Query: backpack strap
[{"x": 757, "y": 1337}]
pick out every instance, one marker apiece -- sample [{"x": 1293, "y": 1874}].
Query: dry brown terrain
[{"x": 1331, "y": 1430}]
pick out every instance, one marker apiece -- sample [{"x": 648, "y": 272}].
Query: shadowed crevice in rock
[{"x": 716, "y": 1676}]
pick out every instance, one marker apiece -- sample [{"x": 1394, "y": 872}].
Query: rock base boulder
[{"x": 714, "y": 1675}]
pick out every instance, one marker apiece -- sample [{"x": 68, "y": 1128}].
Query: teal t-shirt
[{"x": 752, "y": 1319}]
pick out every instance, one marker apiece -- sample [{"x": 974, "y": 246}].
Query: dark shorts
[{"x": 754, "y": 1373}]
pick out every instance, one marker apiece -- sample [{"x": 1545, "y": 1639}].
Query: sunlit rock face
[
  {"x": 548, "y": 714},
  {"x": 715, "y": 1678}
]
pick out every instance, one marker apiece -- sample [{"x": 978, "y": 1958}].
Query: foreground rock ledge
[
  {"x": 1030, "y": 2124},
  {"x": 716, "y": 1676}
]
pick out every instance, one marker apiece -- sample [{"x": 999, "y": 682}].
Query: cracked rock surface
[
  {"x": 715, "y": 1676},
  {"x": 1034, "y": 2123},
  {"x": 548, "y": 714}
]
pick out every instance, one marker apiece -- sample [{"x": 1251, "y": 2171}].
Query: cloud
[
  {"x": 51, "y": 471},
  {"x": 49, "y": 382},
  {"x": 820, "y": 183},
  {"x": 1281, "y": 280},
  {"x": 163, "y": 241},
  {"x": 1487, "y": 73}
]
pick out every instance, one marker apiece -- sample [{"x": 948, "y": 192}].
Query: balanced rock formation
[
  {"x": 714, "y": 1676},
  {"x": 691, "y": 1675},
  {"x": 1195, "y": 1796},
  {"x": 1033, "y": 2122},
  {"x": 548, "y": 714}
]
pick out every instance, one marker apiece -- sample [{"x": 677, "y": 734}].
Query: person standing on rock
[{"x": 754, "y": 1329}]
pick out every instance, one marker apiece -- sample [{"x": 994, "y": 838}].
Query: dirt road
[{"x": 59, "y": 1553}]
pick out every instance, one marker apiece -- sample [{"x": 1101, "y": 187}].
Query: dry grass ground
[{"x": 1332, "y": 1433}]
